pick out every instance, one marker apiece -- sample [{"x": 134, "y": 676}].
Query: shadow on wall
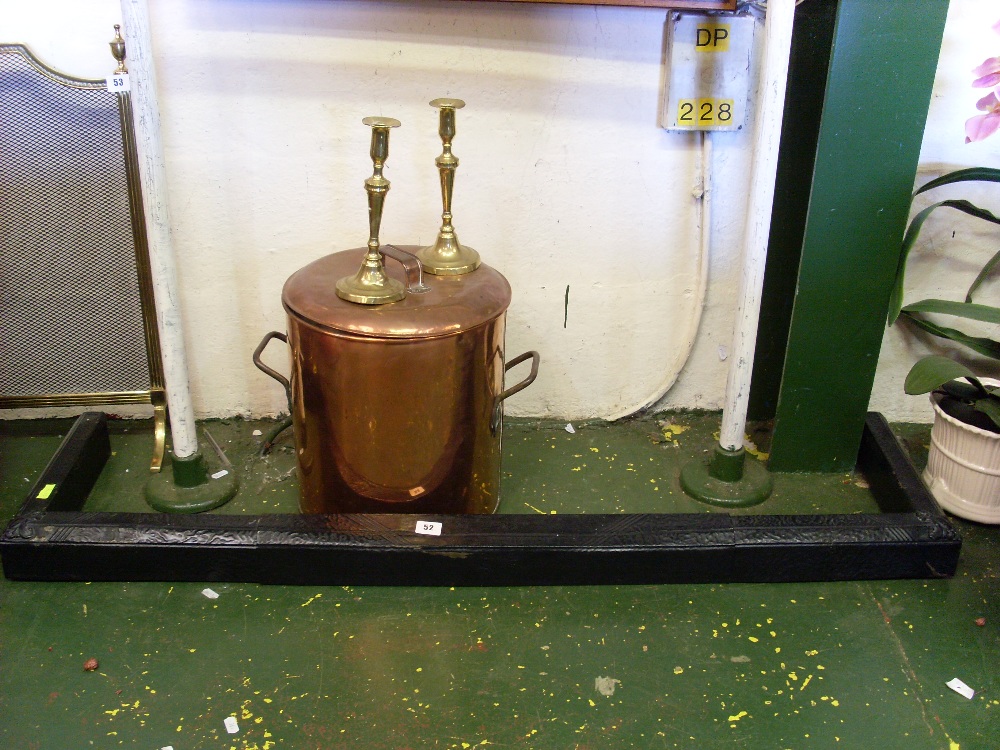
[{"x": 551, "y": 30}]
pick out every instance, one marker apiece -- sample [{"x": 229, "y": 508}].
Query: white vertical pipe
[
  {"x": 142, "y": 80},
  {"x": 766, "y": 138}
]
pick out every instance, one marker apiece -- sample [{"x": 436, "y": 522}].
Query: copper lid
[{"x": 453, "y": 304}]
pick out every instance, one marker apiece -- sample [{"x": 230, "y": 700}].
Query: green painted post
[
  {"x": 808, "y": 66},
  {"x": 878, "y": 90}
]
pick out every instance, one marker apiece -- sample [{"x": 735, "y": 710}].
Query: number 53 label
[
  {"x": 118, "y": 82},
  {"x": 697, "y": 114}
]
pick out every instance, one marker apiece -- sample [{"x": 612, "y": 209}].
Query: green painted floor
[{"x": 852, "y": 665}]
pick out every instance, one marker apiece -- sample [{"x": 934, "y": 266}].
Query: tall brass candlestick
[
  {"x": 447, "y": 256},
  {"x": 370, "y": 285}
]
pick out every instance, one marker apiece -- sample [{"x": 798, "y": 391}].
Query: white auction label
[
  {"x": 118, "y": 82},
  {"x": 961, "y": 688},
  {"x": 429, "y": 527},
  {"x": 231, "y": 725}
]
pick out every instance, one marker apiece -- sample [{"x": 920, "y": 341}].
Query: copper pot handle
[
  {"x": 269, "y": 371},
  {"x": 498, "y": 401}
]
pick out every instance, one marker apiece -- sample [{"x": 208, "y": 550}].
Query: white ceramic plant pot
[{"x": 963, "y": 468}]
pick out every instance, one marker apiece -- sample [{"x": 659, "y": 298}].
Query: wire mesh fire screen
[{"x": 77, "y": 318}]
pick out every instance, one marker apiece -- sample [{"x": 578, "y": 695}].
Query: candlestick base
[{"x": 448, "y": 257}]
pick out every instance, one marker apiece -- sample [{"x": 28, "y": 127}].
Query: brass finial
[
  {"x": 118, "y": 50},
  {"x": 447, "y": 256},
  {"x": 370, "y": 285}
]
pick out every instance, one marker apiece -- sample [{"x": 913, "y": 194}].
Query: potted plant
[{"x": 963, "y": 465}]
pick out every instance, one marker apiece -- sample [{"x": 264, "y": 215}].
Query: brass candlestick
[
  {"x": 447, "y": 256},
  {"x": 370, "y": 285}
]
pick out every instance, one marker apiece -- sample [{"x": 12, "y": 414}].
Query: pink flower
[
  {"x": 983, "y": 126},
  {"x": 987, "y": 77},
  {"x": 988, "y": 72}
]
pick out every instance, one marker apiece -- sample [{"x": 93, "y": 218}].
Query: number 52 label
[
  {"x": 432, "y": 528},
  {"x": 696, "y": 114}
]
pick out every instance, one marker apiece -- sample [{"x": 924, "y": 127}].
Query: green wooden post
[
  {"x": 808, "y": 67},
  {"x": 878, "y": 90}
]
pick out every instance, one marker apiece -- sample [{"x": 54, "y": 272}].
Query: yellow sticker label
[
  {"x": 712, "y": 37},
  {"x": 43, "y": 494},
  {"x": 700, "y": 113}
]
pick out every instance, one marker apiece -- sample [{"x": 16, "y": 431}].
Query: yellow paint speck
[
  {"x": 738, "y": 716},
  {"x": 678, "y": 670},
  {"x": 753, "y": 639},
  {"x": 310, "y": 600}
]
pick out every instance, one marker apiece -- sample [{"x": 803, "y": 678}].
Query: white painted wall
[{"x": 565, "y": 178}]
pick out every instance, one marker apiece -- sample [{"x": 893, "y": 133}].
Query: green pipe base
[
  {"x": 185, "y": 485},
  {"x": 727, "y": 479}
]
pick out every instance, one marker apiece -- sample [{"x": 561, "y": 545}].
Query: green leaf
[
  {"x": 932, "y": 372},
  {"x": 971, "y": 209},
  {"x": 972, "y": 174},
  {"x": 913, "y": 231},
  {"x": 990, "y": 407},
  {"x": 964, "y": 390},
  {"x": 968, "y": 310},
  {"x": 987, "y": 269},
  {"x": 896, "y": 297},
  {"x": 985, "y": 346}
]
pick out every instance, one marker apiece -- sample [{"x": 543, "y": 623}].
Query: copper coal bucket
[{"x": 397, "y": 408}]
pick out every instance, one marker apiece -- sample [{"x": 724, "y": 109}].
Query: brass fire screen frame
[{"x": 77, "y": 310}]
